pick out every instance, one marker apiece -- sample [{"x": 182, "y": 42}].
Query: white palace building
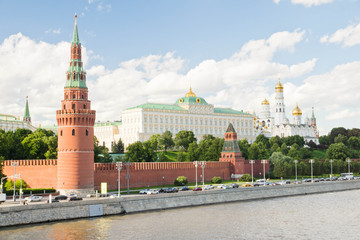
[{"x": 190, "y": 113}]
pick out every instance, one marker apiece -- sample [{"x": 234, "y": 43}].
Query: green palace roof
[
  {"x": 159, "y": 106},
  {"x": 229, "y": 111},
  {"x": 191, "y": 100}
]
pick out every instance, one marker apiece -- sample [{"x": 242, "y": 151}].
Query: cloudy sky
[{"x": 148, "y": 51}]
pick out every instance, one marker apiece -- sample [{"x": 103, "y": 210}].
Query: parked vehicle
[
  {"x": 152, "y": 191},
  {"x": 246, "y": 185},
  {"x": 234, "y": 185},
  {"x": 2, "y": 197},
  {"x": 144, "y": 191},
  {"x": 208, "y": 187},
  {"x": 197, "y": 189},
  {"x": 297, "y": 182},
  {"x": 61, "y": 197},
  {"x": 75, "y": 198},
  {"x": 184, "y": 188},
  {"x": 161, "y": 190},
  {"x": 171, "y": 190},
  {"x": 221, "y": 186},
  {"x": 34, "y": 198},
  {"x": 307, "y": 180},
  {"x": 52, "y": 200}
]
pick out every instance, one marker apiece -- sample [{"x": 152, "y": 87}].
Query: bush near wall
[
  {"x": 32, "y": 190},
  {"x": 181, "y": 181},
  {"x": 216, "y": 180},
  {"x": 245, "y": 178}
]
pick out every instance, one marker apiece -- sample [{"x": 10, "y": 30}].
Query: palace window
[
  {"x": 73, "y": 132},
  {"x": 87, "y": 132},
  {"x": 84, "y": 106}
]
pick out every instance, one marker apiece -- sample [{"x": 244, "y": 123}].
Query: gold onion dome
[
  {"x": 265, "y": 102},
  {"x": 190, "y": 94},
  {"x": 279, "y": 86},
  {"x": 297, "y": 111}
]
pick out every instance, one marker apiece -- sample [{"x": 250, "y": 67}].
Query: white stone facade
[{"x": 11, "y": 123}]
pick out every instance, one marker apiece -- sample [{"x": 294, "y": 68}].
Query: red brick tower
[
  {"x": 75, "y": 129},
  {"x": 231, "y": 151}
]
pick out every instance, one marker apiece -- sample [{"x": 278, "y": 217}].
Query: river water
[{"x": 321, "y": 216}]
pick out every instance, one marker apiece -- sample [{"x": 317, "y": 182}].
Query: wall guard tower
[{"x": 75, "y": 129}]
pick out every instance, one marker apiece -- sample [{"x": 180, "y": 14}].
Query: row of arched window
[
  {"x": 70, "y": 121},
  {"x": 73, "y": 132},
  {"x": 67, "y": 96},
  {"x": 75, "y": 75}
]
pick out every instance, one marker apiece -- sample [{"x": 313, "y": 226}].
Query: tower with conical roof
[
  {"x": 27, "y": 117},
  {"x": 231, "y": 151},
  {"x": 75, "y": 128},
  {"x": 313, "y": 123},
  {"x": 279, "y": 104}
]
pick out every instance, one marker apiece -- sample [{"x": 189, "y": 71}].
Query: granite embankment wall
[{"x": 37, "y": 213}]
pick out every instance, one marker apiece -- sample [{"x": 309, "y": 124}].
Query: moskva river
[{"x": 321, "y": 216}]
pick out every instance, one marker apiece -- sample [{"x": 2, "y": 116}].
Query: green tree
[
  {"x": 181, "y": 156},
  {"x": 325, "y": 140},
  {"x": 335, "y": 132},
  {"x": 184, "y": 139},
  {"x": 149, "y": 154},
  {"x": 244, "y": 148},
  {"x": 117, "y": 147},
  {"x": 337, "y": 151},
  {"x": 34, "y": 145},
  {"x": 264, "y": 140},
  {"x": 340, "y": 139},
  {"x": 354, "y": 142},
  {"x": 135, "y": 152},
  {"x": 281, "y": 164},
  {"x": 295, "y": 152},
  {"x": 355, "y": 132},
  {"x": 166, "y": 141},
  {"x": 193, "y": 152},
  {"x": 162, "y": 157},
  {"x": 275, "y": 148},
  {"x": 284, "y": 149},
  {"x": 9, "y": 185},
  {"x": 277, "y": 140},
  {"x": 155, "y": 141},
  {"x": 257, "y": 151}
]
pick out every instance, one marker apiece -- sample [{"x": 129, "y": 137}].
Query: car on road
[
  {"x": 52, "y": 200},
  {"x": 234, "y": 185},
  {"x": 307, "y": 180},
  {"x": 221, "y": 186},
  {"x": 171, "y": 190},
  {"x": 297, "y": 182},
  {"x": 208, "y": 187},
  {"x": 34, "y": 198},
  {"x": 75, "y": 199},
  {"x": 61, "y": 197},
  {"x": 197, "y": 189},
  {"x": 161, "y": 190},
  {"x": 152, "y": 191},
  {"x": 184, "y": 188},
  {"x": 246, "y": 185},
  {"x": 144, "y": 191}
]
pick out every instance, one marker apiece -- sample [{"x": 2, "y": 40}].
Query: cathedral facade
[{"x": 280, "y": 125}]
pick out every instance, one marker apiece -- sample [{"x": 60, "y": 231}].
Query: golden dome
[
  {"x": 265, "y": 102},
  {"x": 279, "y": 87},
  {"x": 190, "y": 94},
  {"x": 297, "y": 111}
]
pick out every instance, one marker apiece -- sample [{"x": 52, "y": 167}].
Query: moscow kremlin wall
[{"x": 75, "y": 170}]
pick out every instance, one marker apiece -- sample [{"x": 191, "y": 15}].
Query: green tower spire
[
  {"x": 76, "y": 76},
  {"x": 27, "y": 117},
  {"x": 76, "y": 34}
]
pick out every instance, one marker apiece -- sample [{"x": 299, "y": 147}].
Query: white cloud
[
  {"x": 276, "y": 1},
  {"x": 348, "y": 36},
  {"x": 104, "y": 7},
  {"x": 240, "y": 81},
  {"x": 310, "y": 3},
  {"x": 54, "y": 31}
]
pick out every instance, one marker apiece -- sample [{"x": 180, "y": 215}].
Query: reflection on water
[{"x": 322, "y": 216}]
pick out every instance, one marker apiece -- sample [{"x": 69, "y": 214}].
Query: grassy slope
[{"x": 318, "y": 154}]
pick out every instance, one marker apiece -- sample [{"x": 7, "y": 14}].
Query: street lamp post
[
  {"x": 14, "y": 164},
  {"x": 264, "y": 162},
  {"x": 20, "y": 192},
  {"x": 196, "y": 163},
  {"x": 348, "y": 161},
  {"x": 312, "y": 177},
  {"x": 252, "y": 171},
  {"x": 203, "y": 164},
  {"x": 296, "y": 162},
  {"x": 119, "y": 167},
  {"x": 128, "y": 164},
  {"x": 331, "y": 170},
  {"x": 163, "y": 180}
]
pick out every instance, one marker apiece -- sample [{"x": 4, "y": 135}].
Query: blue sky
[{"x": 139, "y": 51}]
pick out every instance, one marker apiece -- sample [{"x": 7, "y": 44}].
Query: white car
[
  {"x": 144, "y": 191},
  {"x": 208, "y": 187},
  {"x": 152, "y": 191},
  {"x": 34, "y": 198},
  {"x": 221, "y": 186}
]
